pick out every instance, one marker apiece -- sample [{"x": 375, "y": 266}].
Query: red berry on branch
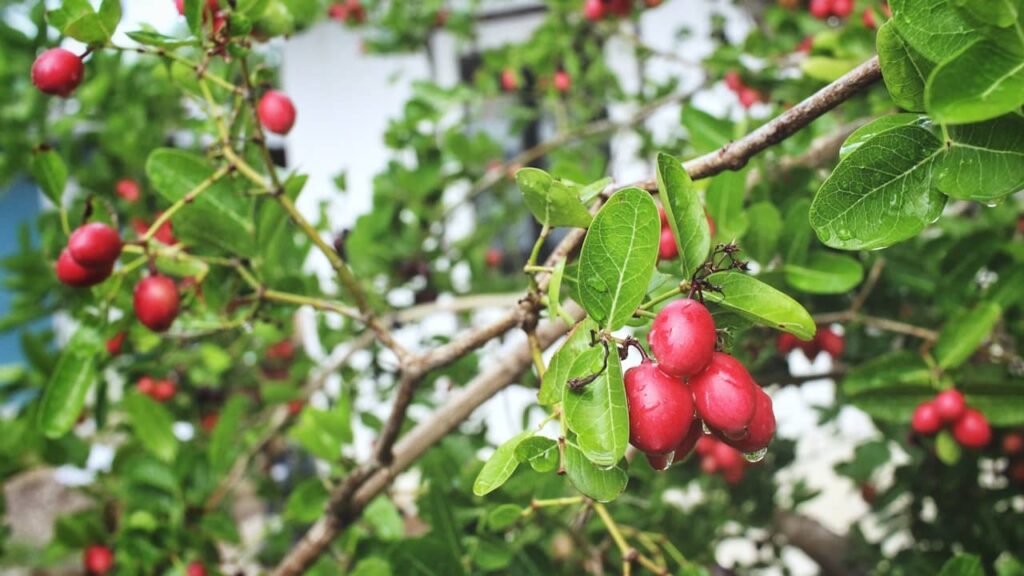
[
  {"x": 70, "y": 272},
  {"x": 146, "y": 385},
  {"x": 693, "y": 436},
  {"x": 58, "y": 72},
  {"x": 805, "y": 45},
  {"x": 509, "y": 80},
  {"x": 926, "y": 419},
  {"x": 761, "y": 429},
  {"x": 283, "y": 350},
  {"x": 821, "y": 9},
  {"x": 593, "y": 10},
  {"x": 295, "y": 407},
  {"x": 1013, "y": 444},
  {"x": 869, "y": 18},
  {"x": 562, "y": 81},
  {"x": 725, "y": 395},
  {"x": 114, "y": 344},
  {"x": 667, "y": 247},
  {"x": 950, "y": 405},
  {"x": 748, "y": 97},
  {"x": 733, "y": 81},
  {"x": 842, "y": 8},
  {"x": 660, "y": 409},
  {"x": 682, "y": 338},
  {"x": 832, "y": 343},
  {"x": 156, "y": 302},
  {"x": 195, "y": 569},
  {"x": 163, "y": 390},
  {"x": 95, "y": 245},
  {"x": 97, "y": 560},
  {"x": 276, "y": 112},
  {"x": 128, "y": 189},
  {"x": 493, "y": 257},
  {"x": 972, "y": 430},
  {"x": 785, "y": 343}
]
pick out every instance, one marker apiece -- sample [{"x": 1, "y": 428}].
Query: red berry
[
  {"x": 95, "y": 245},
  {"x": 972, "y": 430},
  {"x": 276, "y": 112},
  {"x": 195, "y": 569},
  {"x": 163, "y": 390},
  {"x": 711, "y": 222},
  {"x": 868, "y": 492},
  {"x": 98, "y": 559},
  {"x": 693, "y": 436},
  {"x": 128, "y": 189},
  {"x": 842, "y": 8},
  {"x": 729, "y": 462},
  {"x": 295, "y": 406},
  {"x": 660, "y": 409},
  {"x": 785, "y": 343},
  {"x": 562, "y": 81},
  {"x": 146, "y": 385},
  {"x": 493, "y": 257},
  {"x": 733, "y": 81},
  {"x": 810, "y": 348},
  {"x": 705, "y": 444},
  {"x": 805, "y": 45},
  {"x": 620, "y": 8},
  {"x": 356, "y": 12},
  {"x": 593, "y": 10},
  {"x": 761, "y": 429},
  {"x": 950, "y": 405},
  {"x": 926, "y": 419},
  {"x": 830, "y": 342},
  {"x": 663, "y": 215},
  {"x": 283, "y": 350},
  {"x": 748, "y": 97},
  {"x": 509, "y": 80},
  {"x": 156, "y": 302},
  {"x": 682, "y": 338},
  {"x": 114, "y": 344},
  {"x": 821, "y": 9},
  {"x": 70, "y": 272},
  {"x": 1013, "y": 444},
  {"x": 165, "y": 233},
  {"x": 57, "y": 71},
  {"x": 708, "y": 464},
  {"x": 725, "y": 395},
  {"x": 337, "y": 12},
  {"x": 869, "y": 19},
  {"x": 667, "y": 247}
]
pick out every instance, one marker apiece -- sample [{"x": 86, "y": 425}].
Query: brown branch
[{"x": 828, "y": 549}]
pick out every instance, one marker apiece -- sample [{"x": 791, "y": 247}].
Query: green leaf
[
  {"x": 225, "y": 442},
  {"x": 383, "y": 516},
  {"x": 499, "y": 467},
  {"x": 685, "y": 213},
  {"x": 152, "y": 424},
  {"x": 216, "y": 217},
  {"x": 555, "y": 295},
  {"x": 194, "y": 16},
  {"x": 307, "y": 501},
  {"x": 825, "y": 273},
  {"x": 827, "y": 69},
  {"x": 725, "y": 196},
  {"x": 891, "y": 386},
  {"x": 1001, "y": 13},
  {"x": 601, "y": 484},
  {"x": 72, "y": 378},
  {"x": 753, "y": 299},
  {"x": 110, "y": 14},
  {"x": 875, "y": 127},
  {"x": 964, "y": 333},
  {"x": 50, "y": 172},
  {"x": 983, "y": 81},
  {"x": 881, "y": 193},
  {"x": 904, "y": 69},
  {"x": 503, "y": 516},
  {"x": 947, "y": 448},
  {"x": 983, "y": 162},
  {"x": 762, "y": 240},
  {"x": 151, "y": 38},
  {"x": 963, "y": 565},
  {"x": 598, "y": 413},
  {"x": 931, "y": 27},
  {"x": 550, "y": 201},
  {"x": 78, "y": 19},
  {"x": 323, "y": 432},
  {"x": 618, "y": 257},
  {"x": 539, "y": 452},
  {"x": 706, "y": 132},
  {"x": 553, "y": 383},
  {"x": 796, "y": 234},
  {"x": 276, "y": 234},
  {"x": 372, "y": 566}
]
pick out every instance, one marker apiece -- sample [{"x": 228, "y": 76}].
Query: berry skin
[
  {"x": 704, "y": 444},
  {"x": 209, "y": 422},
  {"x": 805, "y": 45},
  {"x": 785, "y": 343},
  {"x": 562, "y": 81},
  {"x": 761, "y": 429},
  {"x": 725, "y": 396},
  {"x": 667, "y": 248},
  {"x": 163, "y": 390},
  {"x": 729, "y": 462},
  {"x": 211, "y": 6},
  {"x": 95, "y": 245},
  {"x": 146, "y": 385},
  {"x": 869, "y": 19},
  {"x": 276, "y": 112},
  {"x": 830, "y": 342},
  {"x": 663, "y": 215},
  {"x": 195, "y": 569},
  {"x": 972, "y": 430},
  {"x": 58, "y": 72},
  {"x": 1013, "y": 444},
  {"x": 693, "y": 436},
  {"x": 493, "y": 257},
  {"x": 950, "y": 405},
  {"x": 509, "y": 80},
  {"x": 926, "y": 419},
  {"x": 748, "y": 97},
  {"x": 128, "y": 189},
  {"x": 733, "y": 81},
  {"x": 156, "y": 302},
  {"x": 283, "y": 350},
  {"x": 821, "y": 9},
  {"x": 114, "y": 343},
  {"x": 295, "y": 407},
  {"x": 593, "y": 10},
  {"x": 660, "y": 409},
  {"x": 682, "y": 338},
  {"x": 97, "y": 560},
  {"x": 72, "y": 273},
  {"x": 842, "y": 8}
]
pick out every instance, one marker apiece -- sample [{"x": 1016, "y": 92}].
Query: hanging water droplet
[
  {"x": 660, "y": 462},
  {"x": 756, "y": 456},
  {"x": 704, "y": 425}
]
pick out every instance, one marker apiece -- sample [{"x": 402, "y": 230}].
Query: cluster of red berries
[
  {"x": 690, "y": 387},
  {"x": 90, "y": 255},
  {"x": 969, "y": 426},
  {"x": 825, "y": 340},
  {"x": 822, "y": 9},
  {"x": 561, "y": 81},
  {"x": 717, "y": 457},
  {"x": 595, "y": 10},
  {"x": 1013, "y": 448},
  {"x": 98, "y": 560},
  {"x": 349, "y": 12},
  {"x": 667, "y": 247},
  {"x": 159, "y": 390},
  {"x": 747, "y": 96}
]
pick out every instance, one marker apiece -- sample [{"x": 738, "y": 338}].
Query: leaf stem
[{"x": 181, "y": 202}]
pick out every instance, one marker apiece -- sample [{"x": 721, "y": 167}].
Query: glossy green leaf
[
  {"x": 964, "y": 333},
  {"x": 985, "y": 80},
  {"x": 601, "y": 484},
  {"x": 70, "y": 381},
  {"x": 225, "y": 441},
  {"x": 323, "y": 432},
  {"x": 384, "y": 518},
  {"x": 827, "y": 69},
  {"x": 963, "y": 565},
  {"x": 984, "y": 161},
  {"x": 539, "y": 452},
  {"x": 151, "y": 38},
  {"x": 825, "y": 273},
  {"x": 685, "y": 213},
  {"x": 891, "y": 386},
  {"x": 152, "y": 424},
  {"x": 931, "y": 27},
  {"x": 503, "y": 516},
  {"x": 276, "y": 233},
  {"x": 307, "y": 501},
  {"x": 757, "y": 301},
  {"x": 551, "y": 202},
  {"x": 947, "y": 448},
  {"x": 216, "y": 217},
  {"x": 875, "y": 127},
  {"x": 881, "y": 193},
  {"x": 50, "y": 172},
  {"x": 762, "y": 239},
  {"x": 706, "y": 132},
  {"x": 553, "y": 383},
  {"x": 555, "y": 294},
  {"x": 372, "y": 566},
  {"x": 796, "y": 234},
  {"x": 618, "y": 257},
  {"x": 598, "y": 413},
  {"x": 725, "y": 196},
  {"x": 78, "y": 19},
  {"x": 1001, "y": 13},
  {"x": 904, "y": 69},
  {"x": 499, "y": 467}
]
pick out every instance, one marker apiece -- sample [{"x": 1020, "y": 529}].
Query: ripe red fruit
[
  {"x": 95, "y": 245},
  {"x": 660, "y": 409},
  {"x": 972, "y": 430},
  {"x": 209, "y": 422},
  {"x": 562, "y": 81},
  {"x": 620, "y": 8},
  {"x": 276, "y": 112},
  {"x": 295, "y": 406},
  {"x": 659, "y": 462},
  {"x": 729, "y": 462},
  {"x": 705, "y": 444},
  {"x": 509, "y": 80},
  {"x": 805, "y": 45},
  {"x": 663, "y": 216},
  {"x": 950, "y": 405},
  {"x": 869, "y": 18},
  {"x": 337, "y": 12},
  {"x": 195, "y": 569},
  {"x": 163, "y": 390},
  {"x": 748, "y": 97},
  {"x": 693, "y": 436},
  {"x": 146, "y": 385},
  {"x": 114, "y": 344},
  {"x": 593, "y": 10},
  {"x": 733, "y": 81},
  {"x": 831, "y": 342},
  {"x": 128, "y": 189},
  {"x": 283, "y": 350},
  {"x": 667, "y": 248},
  {"x": 1013, "y": 444},
  {"x": 821, "y": 9},
  {"x": 761, "y": 429},
  {"x": 682, "y": 338},
  {"x": 926, "y": 419},
  {"x": 70, "y": 272},
  {"x": 493, "y": 257},
  {"x": 725, "y": 395},
  {"x": 785, "y": 343},
  {"x": 842, "y": 8},
  {"x": 97, "y": 559},
  {"x": 57, "y": 71},
  {"x": 156, "y": 302}
]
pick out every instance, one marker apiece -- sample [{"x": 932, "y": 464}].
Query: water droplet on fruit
[
  {"x": 704, "y": 425},
  {"x": 756, "y": 456}
]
